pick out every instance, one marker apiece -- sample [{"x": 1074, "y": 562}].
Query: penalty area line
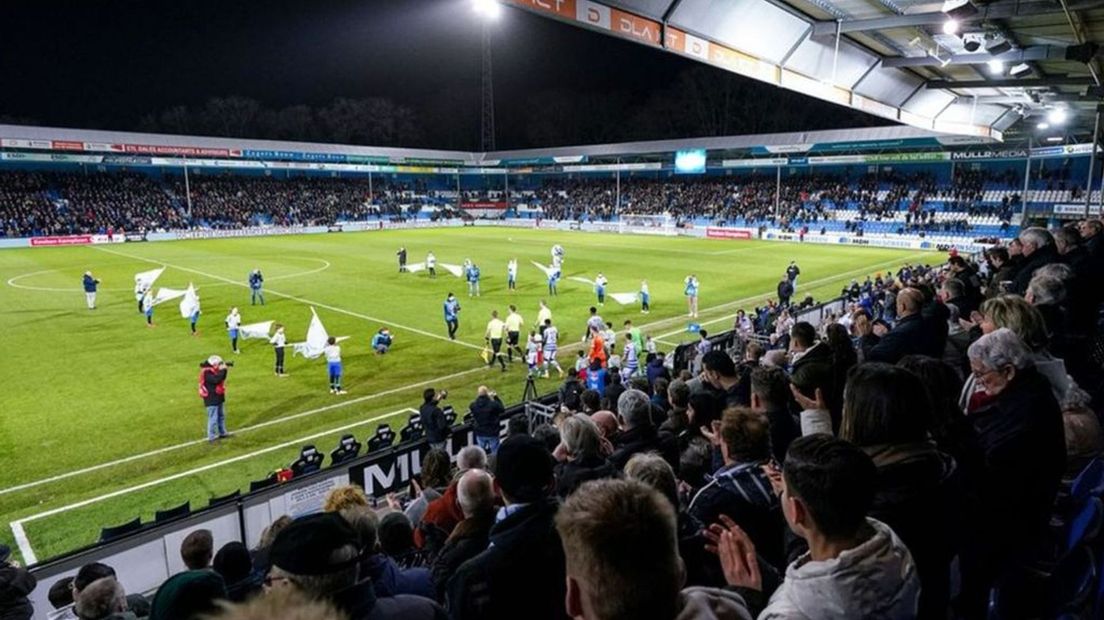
[{"x": 301, "y": 300}]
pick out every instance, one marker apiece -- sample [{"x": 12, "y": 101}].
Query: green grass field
[{"x": 86, "y": 388}]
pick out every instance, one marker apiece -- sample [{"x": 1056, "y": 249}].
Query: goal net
[{"x": 648, "y": 224}]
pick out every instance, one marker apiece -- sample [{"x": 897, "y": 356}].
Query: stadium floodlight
[
  {"x": 997, "y": 45},
  {"x": 489, "y": 9},
  {"x": 996, "y": 67},
  {"x": 1020, "y": 69},
  {"x": 1043, "y": 126},
  {"x": 972, "y": 42},
  {"x": 950, "y": 26},
  {"x": 1057, "y": 116}
]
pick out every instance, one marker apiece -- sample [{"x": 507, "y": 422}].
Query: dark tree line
[{"x": 701, "y": 101}]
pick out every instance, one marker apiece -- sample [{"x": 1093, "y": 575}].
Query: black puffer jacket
[{"x": 15, "y": 585}]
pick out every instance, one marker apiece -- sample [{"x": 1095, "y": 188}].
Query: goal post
[{"x": 648, "y": 224}]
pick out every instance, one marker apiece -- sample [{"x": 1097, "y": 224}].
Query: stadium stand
[
  {"x": 970, "y": 203},
  {"x": 918, "y": 431}
]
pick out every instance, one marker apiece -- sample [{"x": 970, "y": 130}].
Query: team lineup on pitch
[{"x": 158, "y": 461}]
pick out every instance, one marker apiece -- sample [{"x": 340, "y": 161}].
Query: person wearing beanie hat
[
  {"x": 319, "y": 556},
  {"x": 187, "y": 595},
  {"x": 235, "y": 565},
  {"x": 521, "y": 574}
]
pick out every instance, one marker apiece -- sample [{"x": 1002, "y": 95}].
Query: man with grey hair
[
  {"x": 638, "y": 434},
  {"x": 470, "y": 457},
  {"x": 1045, "y": 290},
  {"x": 1020, "y": 431},
  {"x": 475, "y": 495},
  {"x": 1038, "y": 250},
  {"x": 103, "y": 599}
]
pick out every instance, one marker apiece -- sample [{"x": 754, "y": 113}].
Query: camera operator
[
  {"x": 212, "y": 389},
  {"x": 433, "y": 418}
]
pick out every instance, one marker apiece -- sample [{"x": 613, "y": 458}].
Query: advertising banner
[
  {"x": 1076, "y": 209},
  {"x": 61, "y": 240},
  {"x": 713, "y": 232}
]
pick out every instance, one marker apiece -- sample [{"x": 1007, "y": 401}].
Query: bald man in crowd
[{"x": 908, "y": 336}]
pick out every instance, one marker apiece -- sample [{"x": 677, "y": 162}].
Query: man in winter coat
[
  {"x": 15, "y": 585},
  {"x": 487, "y": 409}
]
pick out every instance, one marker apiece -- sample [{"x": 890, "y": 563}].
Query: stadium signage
[
  {"x": 613, "y": 167},
  {"x": 253, "y": 231},
  {"x": 62, "y": 240},
  {"x": 1076, "y": 209},
  {"x": 1062, "y": 151},
  {"x": 713, "y": 232},
  {"x": 754, "y": 163},
  {"x": 1001, "y": 154}
]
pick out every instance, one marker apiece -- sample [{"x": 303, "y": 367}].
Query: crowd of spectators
[{"x": 901, "y": 460}]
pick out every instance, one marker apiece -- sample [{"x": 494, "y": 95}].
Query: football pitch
[{"x": 101, "y": 420}]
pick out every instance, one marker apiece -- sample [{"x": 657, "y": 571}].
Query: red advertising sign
[
  {"x": 67, "y": 145},
  {"x": 562, "y": 8},
  {"x": 727, "y": 233},
  {"x": 64, "y": 240}
]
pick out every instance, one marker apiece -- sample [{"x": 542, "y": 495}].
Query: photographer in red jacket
[{"x": 212, "y": 388}]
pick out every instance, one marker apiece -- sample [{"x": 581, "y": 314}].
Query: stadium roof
[
  {"x": 125, "y": 144},
  {"x": 890, "y": 58}
]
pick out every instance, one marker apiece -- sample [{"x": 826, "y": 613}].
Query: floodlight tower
[{"x": 488, "y": 11}]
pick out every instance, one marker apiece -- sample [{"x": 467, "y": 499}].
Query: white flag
[
  {"x": 313, "y": 346},
  {"x": 167, "y": 294},
  {"x": 256, "y": 330},
  {"x": 548, "y": 271},
  {"x": 190, "y": 303},
  {"x": 146, "y": 279},
  {"x": 416, "y": 267},
  {"x": 623, "y": 298},
  {"x": 455, "y": 270}
]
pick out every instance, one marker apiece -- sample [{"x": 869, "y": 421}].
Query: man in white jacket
[{"x": 856, "y": 567}]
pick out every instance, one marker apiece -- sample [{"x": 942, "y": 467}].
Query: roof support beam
[
  {"x": 1002, "y": 10},
  {"x": 1010, "y": 83},
  {"x": 1035, "y": 52},
  {"x": 1044, "y": 98}
]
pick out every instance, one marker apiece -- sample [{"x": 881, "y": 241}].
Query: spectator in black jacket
[
  {"x": 812, "y": 368},
  {"x": 433, "y": 418},
  {"x": 582, "y": 443},
  {"x": 470, "y": 537},
  {"x": 1038, "y": 250},
  {"x": 634, "y": 413},
  {"x": 770, "y": 395},
  {"x": 719, "y": 371},
  {"x": 918, "y": 491},
  {"x": 908, "y": 336},
  {"x": 212, "y": 389},
  {"x": 487, "y": 409},
  {"x": 522, "y": 571},
  {"x": 785, "y": 292},
  {"x": 1019, "y": 426},
  {"x": 15, "y": 585}
]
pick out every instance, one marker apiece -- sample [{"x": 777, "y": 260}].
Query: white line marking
[
  {"x": 77, "y": 289},
  {"x": 166, "y": 449},
  {"x": 301, "y": 300},
  {"x": 24, "y": 544},
  {"x": 244, "y": 429},
  {"x": 203, "y": 468}
]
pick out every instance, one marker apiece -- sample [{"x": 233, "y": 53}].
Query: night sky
[{"x": 106, "y": 63}]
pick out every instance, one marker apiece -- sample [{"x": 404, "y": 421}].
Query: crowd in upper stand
[{"x": 58, "y": 203}]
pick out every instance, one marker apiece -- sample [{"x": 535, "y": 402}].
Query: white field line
[
  {"x": 244, "y": 429},
  {"x": 202, "y": 468},
  {"x": 345, "y": 403},
  {"x": 24, "y": 544},
  {"x": 77, "y": 288},
  {"x": 818, "y": 282},
  {"x": 300, "y": 300}
]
